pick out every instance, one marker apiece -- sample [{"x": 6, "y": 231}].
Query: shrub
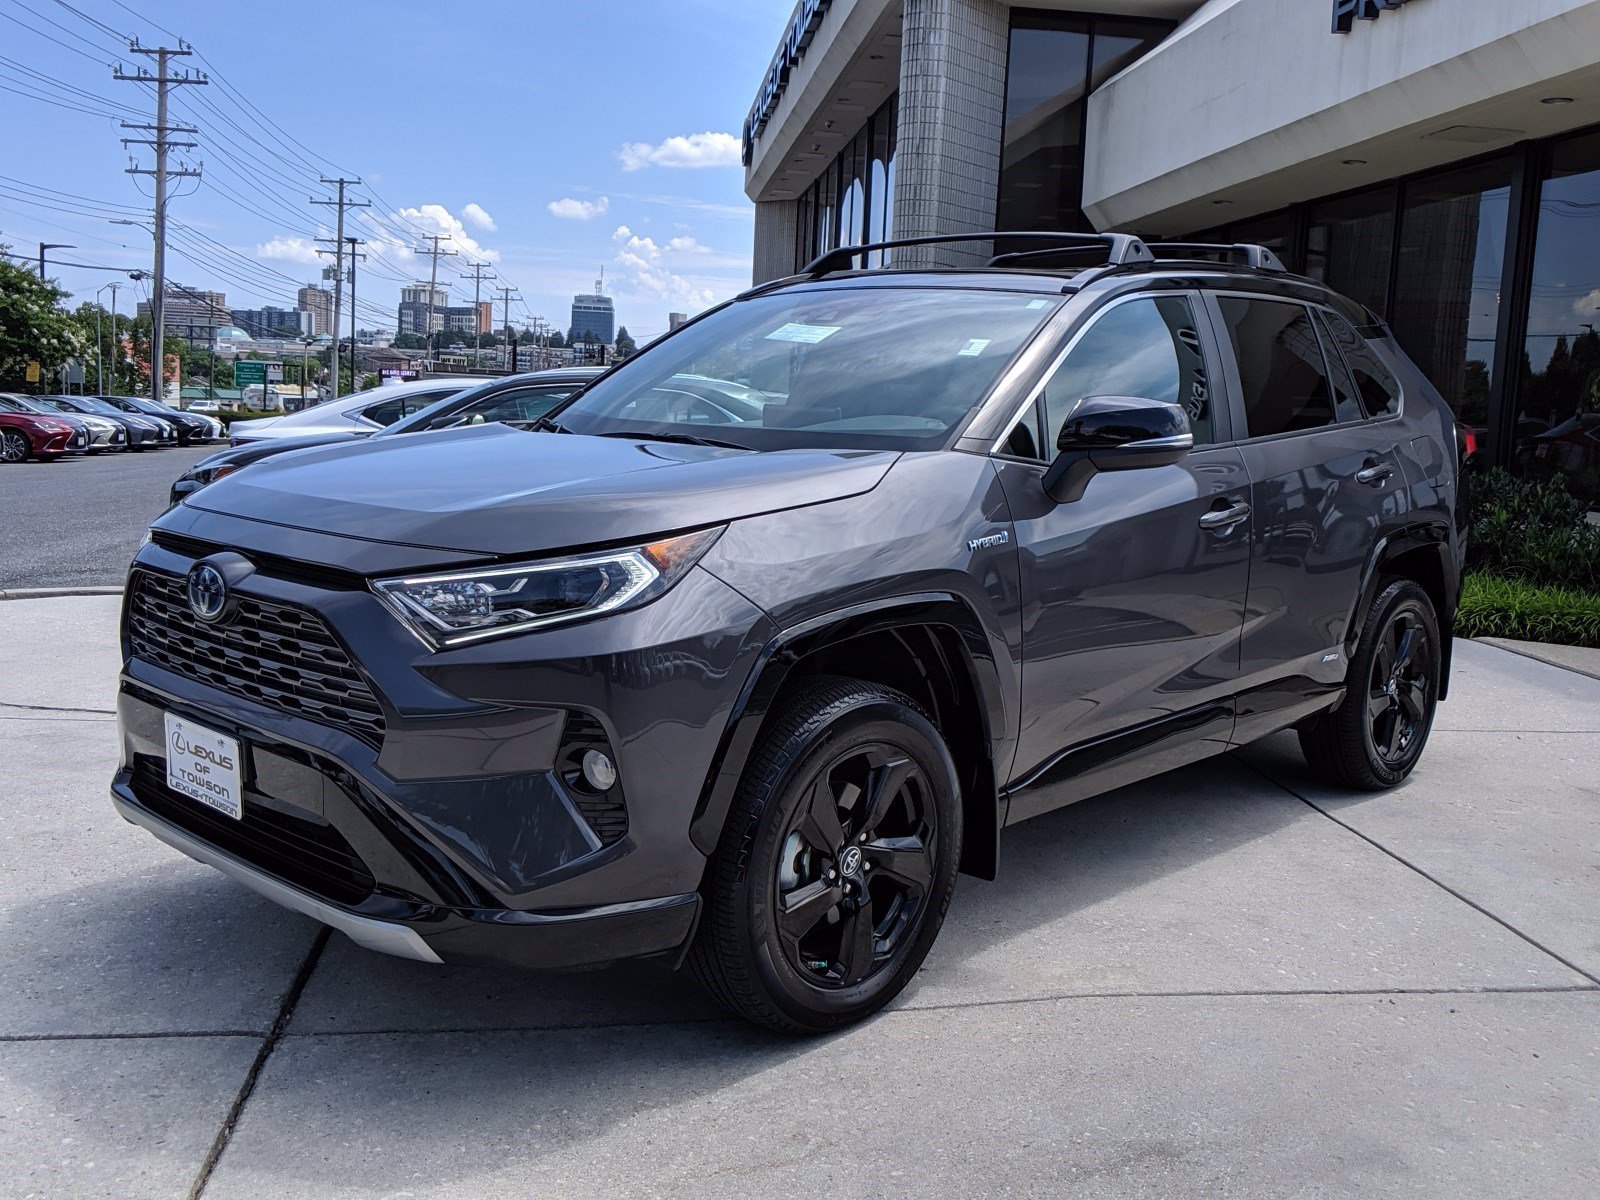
[
  {"x": 1533, "y": 530},
  {"x": 1514, "y": 608},
  {"x": 245, "y": 414}
]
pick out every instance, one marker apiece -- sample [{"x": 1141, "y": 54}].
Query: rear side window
[
  {"x": 1146, "y": 348},
  {"x": 1282, "y": 374},
  {"x": 1379, "y": 391},
  {"x": 385, "y": 413},
  {"x": 1346, "y": 400}
]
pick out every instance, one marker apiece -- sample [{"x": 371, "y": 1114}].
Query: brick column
[
  {"x": 952, "y": 108},
  {"x": 775, "y": 236}
]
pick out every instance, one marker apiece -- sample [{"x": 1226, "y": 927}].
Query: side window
[
  {"x": 1380, "y": 393},
  {"x": 1281, "y": 369},
  {"x": 527, "y": 405},
  {"x": 386, "y": 412},
  {"x": 1146, "y": 348}
]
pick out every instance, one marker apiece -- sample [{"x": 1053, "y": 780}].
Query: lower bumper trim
[{"x": 385, "y": 936}]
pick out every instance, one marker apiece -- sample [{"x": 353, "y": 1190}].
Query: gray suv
[{"x": 741, "y": 655}]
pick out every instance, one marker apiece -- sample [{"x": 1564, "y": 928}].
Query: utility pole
[
  {"x": 506, "y": 296},
  {"x": 43, "y": 246},
  {"x": 478, "y": 278},
  {"x": 116, "y": 346},
  {"x": 162, "y": 142},
  {"x": 353, "y": 242},
  {"x": 434, "y": 252},
  {"x": 338, "y": 265}
]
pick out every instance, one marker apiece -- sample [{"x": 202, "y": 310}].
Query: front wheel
[
  {"x": 1376, "y": 735},
  {"x": 837, "y": 862}
]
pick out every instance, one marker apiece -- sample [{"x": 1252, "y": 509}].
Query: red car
[{"x": 25, "y": 435}]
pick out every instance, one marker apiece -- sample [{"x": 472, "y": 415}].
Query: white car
[
  {"x": 364, "y": 412},
  {"x": 202, "y": 406}
]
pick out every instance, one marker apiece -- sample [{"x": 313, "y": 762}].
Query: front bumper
[{"x": 453, "y": 835}]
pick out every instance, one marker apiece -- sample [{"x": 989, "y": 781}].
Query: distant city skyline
[{"x": 650, "y": 187}]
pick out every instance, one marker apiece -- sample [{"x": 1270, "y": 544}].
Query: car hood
[
  {"x": 267, "y": 448},
  {"x": 500, "y": 491}
]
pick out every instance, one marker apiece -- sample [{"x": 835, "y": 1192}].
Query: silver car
[{"x": 364, "y": 412}]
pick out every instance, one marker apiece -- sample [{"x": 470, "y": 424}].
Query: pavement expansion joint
[{"x": 1433, "y": 879}]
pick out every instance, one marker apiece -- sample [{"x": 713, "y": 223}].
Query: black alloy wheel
[
  {"x": 836, "y": 863},
  {"x": 855, "y": 870},
  {"x": 13, "y": 446},
  {"x": 1376, "y": 735}
]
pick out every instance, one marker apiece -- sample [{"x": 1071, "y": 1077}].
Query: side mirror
[{"x": 1115, "y": 433}]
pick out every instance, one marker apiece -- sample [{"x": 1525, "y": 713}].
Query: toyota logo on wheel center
[
  {"x": 850, "y": 860},
  {"x": 208, "y": 591}
]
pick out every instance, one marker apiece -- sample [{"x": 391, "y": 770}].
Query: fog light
[{"x": 599, "y": 772}]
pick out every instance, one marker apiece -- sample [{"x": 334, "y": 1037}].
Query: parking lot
[
  {"x": 76, "y": 522},
  {"x": 1229, "y": 980}
]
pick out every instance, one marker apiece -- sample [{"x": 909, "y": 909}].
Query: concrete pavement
[{"x": 1231, "y": 979}]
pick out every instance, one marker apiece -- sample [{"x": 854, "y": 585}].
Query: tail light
[{"x": 1466, "y": 443}]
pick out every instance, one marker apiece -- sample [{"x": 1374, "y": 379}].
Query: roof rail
[
  {"x": 1258, "y": 257},
  {"x": 1120, "y": 248}
]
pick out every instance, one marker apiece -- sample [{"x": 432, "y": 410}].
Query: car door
[
  {"x": 1324, "y": 481},
  {"x": 1133, "y": 595}
]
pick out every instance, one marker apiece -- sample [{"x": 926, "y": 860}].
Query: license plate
[{"x": 203, "y": 765}]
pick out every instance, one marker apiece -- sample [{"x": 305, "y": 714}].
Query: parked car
[
  {"x": 99, "y": 434},
  {"x": 25, "y": 435},
  {"x": 748, "y": 693},
  {"x": 191, "y": 427},
  {"x": 364, "y": 412},
  {"x": 144, "y": 433},
  {"x": 513, "y": 399},
  {"x": 203, "y": 406}
]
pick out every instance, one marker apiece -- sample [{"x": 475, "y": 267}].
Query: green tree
[
  {"x": 33, "y": 327},
  {"x": 625, "y": 343},
  {"x": 410, "y": 341}
]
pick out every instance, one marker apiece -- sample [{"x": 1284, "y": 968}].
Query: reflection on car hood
[
  {"x": 495, "y": 490},
  {"x": 254, "y": 451}
]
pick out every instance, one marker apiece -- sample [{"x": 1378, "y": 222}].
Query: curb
[{"x": 47, "y": 593}]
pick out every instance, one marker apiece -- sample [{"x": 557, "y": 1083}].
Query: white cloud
[
  {"x": 436, "y": 218},
  {"x": 475, "y": 214},
  {"x": 289, "y": 249},
  {"x": 697, "y": 150},
  {"x": 1587, "y": 306},
  {"x": 646, "y": 272},
  {"x": 569, "y": 209}
]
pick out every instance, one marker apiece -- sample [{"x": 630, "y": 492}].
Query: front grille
[
  {"x": 278, "y": 655},
  {"x": 308, "y": 853}
]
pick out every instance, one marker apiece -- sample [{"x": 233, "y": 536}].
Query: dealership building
[{"x": 1436, "y": 160}]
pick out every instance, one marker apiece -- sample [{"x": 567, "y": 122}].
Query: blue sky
[{"x": 549, "y": 138}]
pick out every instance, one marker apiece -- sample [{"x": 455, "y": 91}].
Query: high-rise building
[
  {"x": 191, "y": 314},
  {"x": 422, "y": 308},
  {"x": 318, "y": 303},
  {"x": 485, "y": 315},
  {"x": 271, "y": 321},
  {"x": 594, "y": 317}
]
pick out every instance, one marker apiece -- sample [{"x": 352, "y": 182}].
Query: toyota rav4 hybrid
[{"x": 744, "y": 685}]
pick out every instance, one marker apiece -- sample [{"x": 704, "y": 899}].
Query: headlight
[{"x": 467, "y": 606}]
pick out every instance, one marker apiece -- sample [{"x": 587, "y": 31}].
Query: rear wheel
[
  {"x": 13, "y": 446},
  {"x": 837, "y": 862},
  {"x": 1375, "y": 737}
]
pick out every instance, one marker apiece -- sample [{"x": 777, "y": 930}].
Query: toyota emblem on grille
[{"x": 208, "y": 591}]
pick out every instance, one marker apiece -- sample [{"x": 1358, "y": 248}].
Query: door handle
[
  {"x": 1374, "y": 473},
  {"x": 1221, "y": 519}
]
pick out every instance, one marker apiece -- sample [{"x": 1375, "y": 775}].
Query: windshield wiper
[
  {"x": 547, "y": 425},
  {"x": 687, "y": 439}
]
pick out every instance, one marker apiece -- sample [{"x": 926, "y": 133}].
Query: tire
[
  {"x": 1374, "y": 738},
  {"x": 863, "y": 910},
  {"x": 14, "y": 446}
]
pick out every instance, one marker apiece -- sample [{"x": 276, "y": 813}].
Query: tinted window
[
  {"x": 1146, "y": 348},
  {"x": 1346, "y": 399},
  {"x": 1281, "y": 372},
  {"x": 528, "y": 405},
  {"x": 1379, "y": 391}
]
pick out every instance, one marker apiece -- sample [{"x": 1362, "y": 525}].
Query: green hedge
[
  {"x": 247, "y": 414},
  {"x": 1533, "y": 530},
  {"x": 1511, "y": 608}
]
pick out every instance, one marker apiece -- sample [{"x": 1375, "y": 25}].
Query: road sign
[
  {"x": 249, "y": 374},
  {"x": 33, "y": 372},
  {"x": 274, "y": 372}
]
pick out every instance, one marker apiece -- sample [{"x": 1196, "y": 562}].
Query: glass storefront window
[
  {"x": 1447, "y": 280},
  {"x": 1055, "y": 61},
  {"x": 1558, "y": 417},
  {"x": 853, "y": 199},
  {"x": 1350, "y": 243}
]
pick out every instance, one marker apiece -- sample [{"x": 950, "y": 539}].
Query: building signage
[
  {"x": 1347, "y": 12},
  {"x": 797, "y": 37}
]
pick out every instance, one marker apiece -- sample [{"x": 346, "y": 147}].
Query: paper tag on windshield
[
  {"x": 1038, "y": 303},
  {"x": 808, "y": 335},
  {"x": 974, "y": 348}
]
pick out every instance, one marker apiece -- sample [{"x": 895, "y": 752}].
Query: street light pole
[{"x": 43, "y": 246}]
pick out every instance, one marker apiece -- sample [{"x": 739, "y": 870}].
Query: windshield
[
  {"x": 90, "y": 404},
  {"x": 893, "y": 368}
]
